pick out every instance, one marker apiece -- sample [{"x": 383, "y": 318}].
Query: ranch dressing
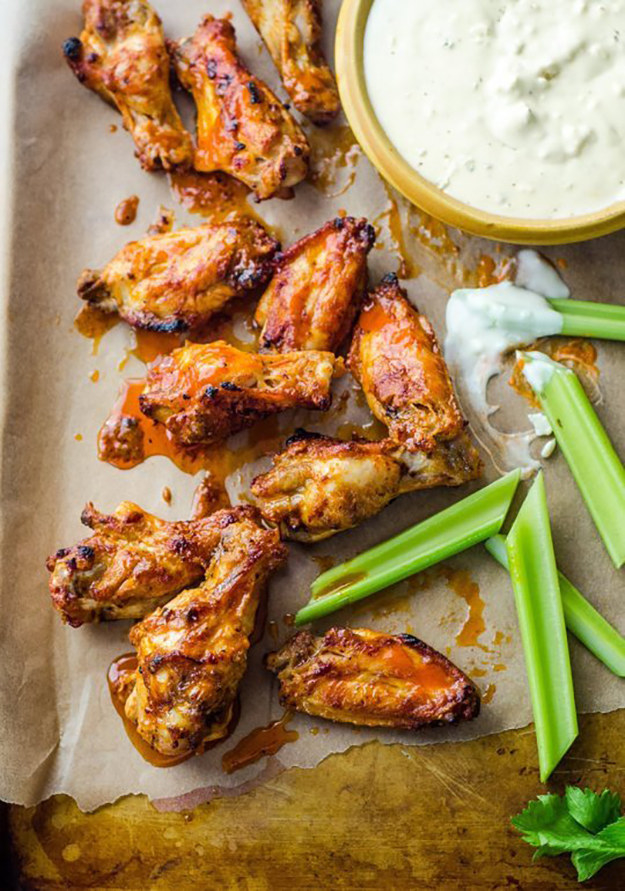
[{"x": 516, "y": 107}]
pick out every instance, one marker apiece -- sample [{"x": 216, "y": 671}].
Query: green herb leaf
[
  {"x": 546, "y": 822},
  {"x": 594, "y": 812},
  {"x": 609, "y": 845}
]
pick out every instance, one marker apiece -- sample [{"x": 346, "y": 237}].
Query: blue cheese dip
[{"x": 516, "y": 107}]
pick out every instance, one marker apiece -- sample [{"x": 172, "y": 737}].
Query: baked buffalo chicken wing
[
  {"x": 357, "y": 676},
  {"x": 203, "y": 393},
  {"x": 177, "y": 280},
  {"x": 319, "y": 486},
  {"x": 242, "y": 128},
  {"x": 192, "y": 653},
  {"x": 397, "y": 360},
  {"x": 131, "y": 563},
  {"x": 291, "y": 30},
  {"x": 319, "y": 282},
  {"x": 121, "y": 55}
]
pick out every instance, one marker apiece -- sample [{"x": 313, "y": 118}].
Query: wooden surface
[{"x": 375, "y": 817}]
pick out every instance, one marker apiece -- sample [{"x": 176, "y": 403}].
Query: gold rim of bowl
[{"x": 425, "y": 195}]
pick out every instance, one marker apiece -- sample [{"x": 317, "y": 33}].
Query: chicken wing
[
  {"x": 319, "y": 486},
  {"x": 357, "y": 676},
  {"x": 312, "y": 300},
  {"x": 177, "y": 280},
  {"x": 291, "y": 30},
  {"x": 396, "y": 358},
  {"x": 242, "y": 128},
  {"x": 192, "y": 653},
  {"x": 132, "y": 563},
  {"x": 121, "y": 55},
  {"x": 203, "y": 393}
]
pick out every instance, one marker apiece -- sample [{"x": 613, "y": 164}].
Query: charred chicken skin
[
  {"x": 121, "y": 55},
  {"x": 319, "y": 486},
  {"x": 357, "y": 676},
  {"x": 192, "y": 653},
  {"x": 291, "y": 30},
  {"x": 203, "y": 393},
  {"x": 397, "y": 360},
  {"x": 242, "y": 128},
  {"x": 177, "y": 280},
  {"x": 319, "y": 282},
  {"x": 131, "y": 564}
]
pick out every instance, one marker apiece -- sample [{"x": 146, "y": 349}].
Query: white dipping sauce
[{"x": 516, "y": 107}]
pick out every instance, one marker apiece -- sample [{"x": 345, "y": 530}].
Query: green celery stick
[
  {"x": 474, "y": 519},
  {"x": 543, "y": 633},
  {"x": 597, "y": 469},
  {"x": 583, "y": 318},
  {"x": 581, "y": 618}
]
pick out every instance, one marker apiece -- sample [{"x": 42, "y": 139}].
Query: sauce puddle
[
  {"x": 126, "y": 211},
  {"x": 260, "y": 743},
  {"x": 474, "y": 625},
  {"x": 93, "y": 324},
  {"x": 215, "y": 196}
]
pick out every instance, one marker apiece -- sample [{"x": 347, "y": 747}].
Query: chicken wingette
[
  {"x": 131, "y": 564},
  {"x": 192, "y": 653},
  {"x": 176, "y": 281},
  {"x": 317, "y": 288},
  {"x": 121, "y": 55},
  {"x": 291, "y": 30},
  {"x": 242, "y": 128},
  {"x": 357, "y": 676},
  {"x": 319, "y": 486},
  {"x": 203, "y": 393},
  {"x": 396, "y": 358}
]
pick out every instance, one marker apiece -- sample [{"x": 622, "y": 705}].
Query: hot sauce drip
[
  {"x": 391, "y": 219},
  {"x": 126, "y": 211},
  {"x": 215, "y": 196},
  {"x": 93, "y": 323},
  {"x": 261, "y": 742},
  {"x": 333, "y": 149},
  {"x": 474, "y": 625}
]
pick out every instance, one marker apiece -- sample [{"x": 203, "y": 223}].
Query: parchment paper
[{"x": 63, "y": 175}]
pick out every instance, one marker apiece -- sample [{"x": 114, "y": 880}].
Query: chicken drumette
[
  {"x": 291, "y": 30},
  {"x": 203, "y": 393},
  {"x": 396, "y": 358},
  {"x": 242, "y": 128},
  {"x": 311, "y": 301},
  {"x": 121, "y": 55},
  {"x": 192, "y": 653},
  {"x": 131, "y": 564},
  {"x": 177, "y": 280},
  {"x": 319, "y": 486},
  {"x": 357, "y": 676}
]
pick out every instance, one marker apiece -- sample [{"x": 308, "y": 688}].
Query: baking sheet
[{"x": 65, "y": 172}]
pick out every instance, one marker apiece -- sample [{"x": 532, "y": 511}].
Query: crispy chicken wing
[
  {"x": 205, "y": 392},
  {"x": 192, "y": 653},
  {"x": 319, "y": 486},
  {"x": 291, "y": 30},
  {"x": 175, "y": 281},
  {"x": 121, "y": 55},
  {"x": 357, "y": 676},
  {"x": 131, "y": 564},
  {"x": 396, "y": 358},
  {"x": 242, "y": 128},
  {"x": 311, "y": 301}
]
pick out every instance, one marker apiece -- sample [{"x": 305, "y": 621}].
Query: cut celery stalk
[
  {"x": 581, "y": 618},
  {"x": 597, "y": 469},
  {"x": 468, "y": 522},
  {"x": 543, "y": 633},
  {"x": 583, "y": 318}
]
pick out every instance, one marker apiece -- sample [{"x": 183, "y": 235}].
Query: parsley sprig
[{"x": 587, "y": 825}]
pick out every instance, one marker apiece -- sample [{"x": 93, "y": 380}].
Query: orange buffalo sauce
[
  {"x": 261, "y": 742},
  {"x": 576, "y": 353},
  {"x": 474, "y": 625},
  {"x": 126, "y": 211},
  {"x": 215, "y": 196},
  {"x": 333, "y": 149},
  {"x": 91, "y": 322}
]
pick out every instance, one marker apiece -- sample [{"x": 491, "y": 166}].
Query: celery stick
[
  {"x": 543, "y": 633},
  {"x": 454, "y": 529},
  {"x": 581, "y": 618},
  {"x": 583, "y": 318},
  {"x": 597, "y": 469}
]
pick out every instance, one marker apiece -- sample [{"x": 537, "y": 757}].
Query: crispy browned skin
[
  {"x": 205, "y": 392},
  {"x": 131, "y": 564},
  {"x": 242, "y": 128},
  {"x": 311, "y": 301},
  {"x": 192, "y": 653},
  {"x": 397, "y": 360},
  {"x": 291, "y": 30},
  {"x": 319, "y": 486},
  {"x": 177, "y": 280},
  {"x": 121, "y": 55},
  {"x": 357, "y": 676}
]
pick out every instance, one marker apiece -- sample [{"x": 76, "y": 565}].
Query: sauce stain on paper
[
  {"x": 92, "y": 323},
  {"x": 126, "y": 211},
  {"x": 260, "y": 743},
  {"x": 332, "y": 151}
]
